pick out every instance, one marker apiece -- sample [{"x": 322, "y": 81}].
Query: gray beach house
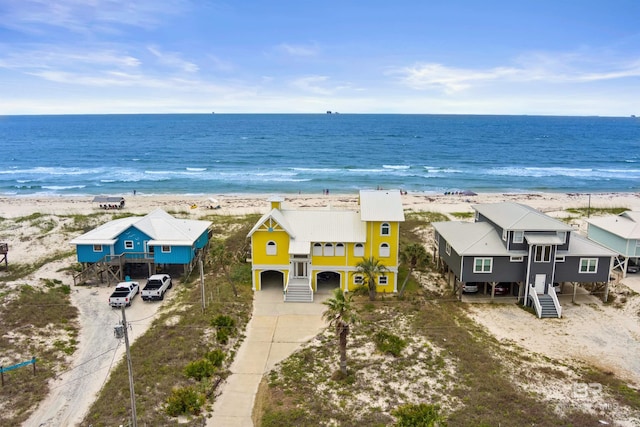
[{"x": 515, "y": 245}]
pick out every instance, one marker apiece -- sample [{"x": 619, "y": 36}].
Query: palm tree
[
  {"x": 371, "y": 268},
  {"x": 341, "y": 314},
  {"x": 415, "y": 256}
]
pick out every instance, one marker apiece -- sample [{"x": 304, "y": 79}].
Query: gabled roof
[
  {"x": 515, "y": 216},
  {"x": 162, "y": 229},
  {"x": 317, "y": 225},
  {"x": 381, "y": 205},
  {"x": 581, "y": 246},
  {"x": 471, "y": 238},
  {"x": 625, "y": 225}
]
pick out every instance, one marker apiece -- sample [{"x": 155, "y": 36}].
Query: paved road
[{"x": 275, "y": 331}]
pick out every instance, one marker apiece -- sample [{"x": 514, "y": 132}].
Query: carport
[{"x": 271, "y": 279}]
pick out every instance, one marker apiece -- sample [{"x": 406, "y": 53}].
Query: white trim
[
  {"x": 588, "y": 265},
  {"x": 482, "y": 270},
  {"x": 129, "y": 244},
  {"x": 387, "y": 226},
  {"x": 516, "y": 258}
]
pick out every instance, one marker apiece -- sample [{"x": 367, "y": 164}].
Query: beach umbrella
[
  {"x": 468, "y": 193},
  {"x": 212, "y": 200}
]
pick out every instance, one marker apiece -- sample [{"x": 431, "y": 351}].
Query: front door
[
  {"x": 540, "y": 282},
  {"x": 300, "y": 269}
]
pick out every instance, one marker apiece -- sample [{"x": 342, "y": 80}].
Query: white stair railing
[
  {"x": 536, "y": 302},
  {"x": 556, "y": 302}
]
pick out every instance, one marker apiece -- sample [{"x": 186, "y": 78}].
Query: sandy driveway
[
  {"x": 600, "y": 335},
  {"x": 73, "y": 392}
]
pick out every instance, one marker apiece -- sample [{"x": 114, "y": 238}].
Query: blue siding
[
  {"x": 87, "y": 254},
  {"x": 137, "y": 237},
  {"x": 202, "y": 240},
  {"x": 178, "y": 255},
  {"x": 611, "y": 241}
]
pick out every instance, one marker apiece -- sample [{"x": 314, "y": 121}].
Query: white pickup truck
[
  {"x": 156, "y": 287},
  {"x": 123, "y": 294}
]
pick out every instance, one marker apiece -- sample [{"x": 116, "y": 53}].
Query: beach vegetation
[
  {"x": 40, "y": 322},
  {"x": 17, "y": 271},
  {"x": 340, "y": 314},
  {"x": 370, "y": 269},
  {"x": 462, "y": 215},
  {"x": 413, "y": 255},
  {"x": 592, "y": 211}
]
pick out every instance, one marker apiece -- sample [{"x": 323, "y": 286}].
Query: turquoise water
[{"x": 280, "y": 153}]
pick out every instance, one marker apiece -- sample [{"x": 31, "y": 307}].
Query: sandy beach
[{"x": 576, "y": 334}]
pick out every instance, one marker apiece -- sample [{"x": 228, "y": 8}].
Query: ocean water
[{"x": 306, "y": 153}]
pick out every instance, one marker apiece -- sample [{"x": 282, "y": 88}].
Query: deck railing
[{"x": 536, "y": 302}]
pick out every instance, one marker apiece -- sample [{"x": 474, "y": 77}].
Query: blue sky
[{"x": 560, "y": 57}]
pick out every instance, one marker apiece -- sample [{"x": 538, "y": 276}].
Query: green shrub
[
  {"x": 421, "y": 415},
  {"x": 389, "y": 343},
  {"x": 216, "y": 357},
  {"x": 222, "y": 336},
  {"x": 200, "y": 369},
  {"x": 184, "y": 401},
  {"x": 223, "y": 322}
]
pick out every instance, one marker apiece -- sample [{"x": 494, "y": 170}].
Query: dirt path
[
  {"x": 75, "y": 389},
  {"x": 600, "y": 335}
]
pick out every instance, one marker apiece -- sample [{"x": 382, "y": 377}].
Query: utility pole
[
  {"x": 202, "y": 282},
  {"x": 131, "y": 390}
]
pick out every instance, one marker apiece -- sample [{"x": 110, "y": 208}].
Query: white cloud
[
  {"x": 312, "y": 84},
  {"x": 567, "y": 68},
  {"x": 298, "y": 50},
  {"x": 37, "y": 16},
  {"x": 173, "y": 60}
]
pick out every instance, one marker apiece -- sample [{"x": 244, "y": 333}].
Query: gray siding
[
  {"x": 569, "y": 271},
  {"x": 503, "y": 270}
]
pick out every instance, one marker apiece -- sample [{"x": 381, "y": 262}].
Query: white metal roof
[
  {"x": 581, "y": 246},
  {"x": 299, "y": 247},
  {"x": 515, "y": 216},
  {"x": 625, "y": 225},
  {"x": 161, "y": 227},
  {"x": 381, "y": 205},
  {"x": 543, "y": 239},
  {"x": 471, "y": 238}
]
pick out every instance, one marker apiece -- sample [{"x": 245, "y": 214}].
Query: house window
[
  {"x": 588, "y": 265},
  {"x": 128, "y": 244},
  {"x": 339, "y": 249},
  {"x": 516, "y": 258},
  {"x": 358, "y": 279},
  {"x": 97, "y": 248},
  {"x": 383, "y": 280},
  {"x": 317, "y": 249},
  {"x": 563, "y": 236},
  {"x": 447, "y": 249},
  {"x": 504, "y": 235},
  {"x": 358, "y": 249},
  {"x": 518, "y": 236},
  {"x": 272, "y": 248},
  {"x": 384, "y": 250},
  {"x": 482, "y": 265},
  {"x": 328, "y": 249},
  {"x": 385, "y": 229},
  {"x": 166, "y": 249},
  {"x": 559, "y": 258},
  {"x": 543, "y": 254}
]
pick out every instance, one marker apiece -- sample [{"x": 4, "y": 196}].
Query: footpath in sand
[{"x": 275, "y": 331}]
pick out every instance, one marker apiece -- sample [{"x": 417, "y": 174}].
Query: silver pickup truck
[
  {"x": 157, "y": 285},
  {"x": 123, "y": 294}
]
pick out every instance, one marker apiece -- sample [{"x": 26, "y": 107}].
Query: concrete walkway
[{"x": 275, "y": 331}]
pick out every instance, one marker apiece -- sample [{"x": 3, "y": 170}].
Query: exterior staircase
[
  {"x": 298, "y": 290},
  {"x": 548, "y": 306}
]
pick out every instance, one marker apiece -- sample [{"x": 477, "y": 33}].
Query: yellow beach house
[{"x": 299, "y": 249}]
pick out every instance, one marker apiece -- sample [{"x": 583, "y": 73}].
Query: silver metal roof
[
  {"x": 161, "y": 227},
  {"x": 581, "y": 246},
  {"x": 625, "y": 225},
  {"x": 543, "y": 239},
  {"x": 381, "y": 205},
  {"x": 471, "y": 238},
  {"x": 515, "y": 216}
]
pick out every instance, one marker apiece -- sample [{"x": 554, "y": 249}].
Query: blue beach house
[{"x": 157, "y": 240}]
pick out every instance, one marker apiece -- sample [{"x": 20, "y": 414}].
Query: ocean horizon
[{"x": 78, "y": 155}]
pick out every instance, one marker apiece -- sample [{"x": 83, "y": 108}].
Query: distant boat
[{"x": 328, "y": 111}]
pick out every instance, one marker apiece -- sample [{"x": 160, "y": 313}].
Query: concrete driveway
[{"x": 276, "y": 330}]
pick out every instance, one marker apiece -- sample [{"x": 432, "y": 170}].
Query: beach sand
[{"x": 576, "y": 336}]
